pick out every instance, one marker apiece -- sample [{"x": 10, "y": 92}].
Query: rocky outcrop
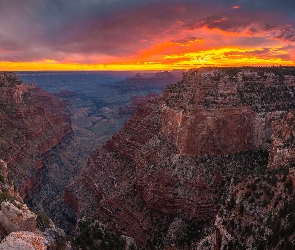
[
  {"x": 17, "y": 217},
  {"x": 282, "y": 151},
  {"x": 203, "y": 131},
  {"x": 11, "y": 95},
  {"x": 175, "y": 156},
  {"x": 51, "y": 239},
  {"x": 22, "y": 228},
  {"x": 31, "y": 123},
  {"x": 23, "y": 240}
]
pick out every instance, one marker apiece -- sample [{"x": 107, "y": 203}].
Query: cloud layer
[{"x": 150, "y": 31}]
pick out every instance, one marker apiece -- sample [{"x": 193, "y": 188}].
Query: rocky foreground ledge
[{"x": 22, "y": 228}]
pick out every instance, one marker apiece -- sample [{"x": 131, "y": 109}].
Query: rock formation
[
  {"x": 22, "y": 228},
  {"x": 163, "y": 178},
  {"x": 200, "y": 114},
  {"x": 258, "y": 213},
  {"x": 53, "y": 239},
  {"x": 31, "y": 123},
  {"x": 172, "y": 159},
  {"x": 17, "y": 217},
  {"x": 161, "y": 78},
  {"x": 282, "y": 151}
]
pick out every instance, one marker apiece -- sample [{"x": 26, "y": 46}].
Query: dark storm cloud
[
  {"x": 220, "y": 22},
  {"x": 89, "y": 26},
  {"x": 36, "y": 29},
  {"x": 229, "y": 23},
  {"x": 287, "y": 34}
]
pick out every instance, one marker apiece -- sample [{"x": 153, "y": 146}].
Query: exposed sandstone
[
  {"x": 214, "y": 132},
  {"x": 53, "y": 239},
  {"x": 172, "y": 158},
  {"x": 23, "y": 240},
  {"x": 282, "y": 151},
  {"x": 17, "y": 217},
  {"x": 31, "y": 123},
  {"x": 22, "y": 228},
  {"x": 3, "y": 168}
]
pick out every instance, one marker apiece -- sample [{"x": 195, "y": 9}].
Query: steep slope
[
  {"x": 31, "y": 123},
  {"x": 164, "y": 173},
  {"x": 282, "y": 151},
  {"x": 19, "y": 226},
  {"x": 259, "y": 210}
]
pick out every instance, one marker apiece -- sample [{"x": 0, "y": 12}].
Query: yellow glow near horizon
[{"x": 211, "y": 57}]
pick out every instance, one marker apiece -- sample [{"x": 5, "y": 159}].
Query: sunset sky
[{"x": 145, "y": 34}]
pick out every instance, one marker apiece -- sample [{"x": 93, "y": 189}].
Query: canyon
[
  {"x": 32, "y": 122},
  {"x": 200, "y": 165},
  {"x": 166, "y": 172}
]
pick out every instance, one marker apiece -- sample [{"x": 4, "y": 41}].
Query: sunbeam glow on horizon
[{"x": 136, "y": 35}]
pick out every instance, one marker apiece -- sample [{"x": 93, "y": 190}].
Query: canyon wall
[
  {"x": 172, "y": 159},
  {"x": 31, "y": 123},
  {"x": 21, "y": 228},
  {"x": 282, "y": 151}
]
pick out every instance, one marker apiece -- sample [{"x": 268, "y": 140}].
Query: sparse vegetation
[
  {"x": 268, "y": 196},
  {"x": 43, "y": 221},
  {"x": 4, "y": 195},
  {"x": 92, "y": 235}
]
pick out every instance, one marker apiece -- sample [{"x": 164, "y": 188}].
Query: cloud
[
  {"x": 227, "y": 23},
  {"x": 241, "y": 27},
  {"x": 102, "y": 31},
  {"x": 220, "y": 22},
  {"x": 263, "y": 53},
  {"x": 287, "y": 34},
  {"x": 188, "y": 41}
]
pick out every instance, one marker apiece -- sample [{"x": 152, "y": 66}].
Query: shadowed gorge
[
  {"x": 147, "y": 125},
  {"x": 32, "y": 122},
  {"x": 193, "y": 166},
  {"x": 173, "y": 160}
]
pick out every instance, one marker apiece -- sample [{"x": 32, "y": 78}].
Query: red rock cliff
[
  {"x": 168, "y": 162},
  {"x": 31, "y": 122},
  {"x": 282, "y": 150}
]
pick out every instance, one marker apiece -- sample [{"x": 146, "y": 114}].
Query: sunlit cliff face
[{"x": 146, "y": 35}]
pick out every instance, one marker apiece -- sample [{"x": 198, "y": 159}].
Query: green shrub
[
  {"x": 90, "y": 234},
  {"x": 43, "y": 222},
  {"x": 5, "y": 196}
]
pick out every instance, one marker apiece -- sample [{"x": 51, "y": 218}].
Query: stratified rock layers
[
  {"x": 166, "y": 163},
  {"x": 214, "y": 132},
  {"x": 282, "y": 151},
  {"x": 31, "y": 122}
]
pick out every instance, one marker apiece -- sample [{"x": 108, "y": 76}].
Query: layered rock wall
[
  {"x": 282, "y": 150},
  {"x": 172, "y": 158},
  {"x": 19, "y": 225},
  {"x": 31, "y": 123},
  {"x": 214, "y": 132}
]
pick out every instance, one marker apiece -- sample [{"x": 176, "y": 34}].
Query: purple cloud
[{"x": 40, "y": 29}]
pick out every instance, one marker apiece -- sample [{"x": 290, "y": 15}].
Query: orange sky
[{"x": 160, "y": 35}]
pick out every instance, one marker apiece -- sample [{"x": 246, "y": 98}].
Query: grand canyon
[{"x": 199, "y": 160}]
